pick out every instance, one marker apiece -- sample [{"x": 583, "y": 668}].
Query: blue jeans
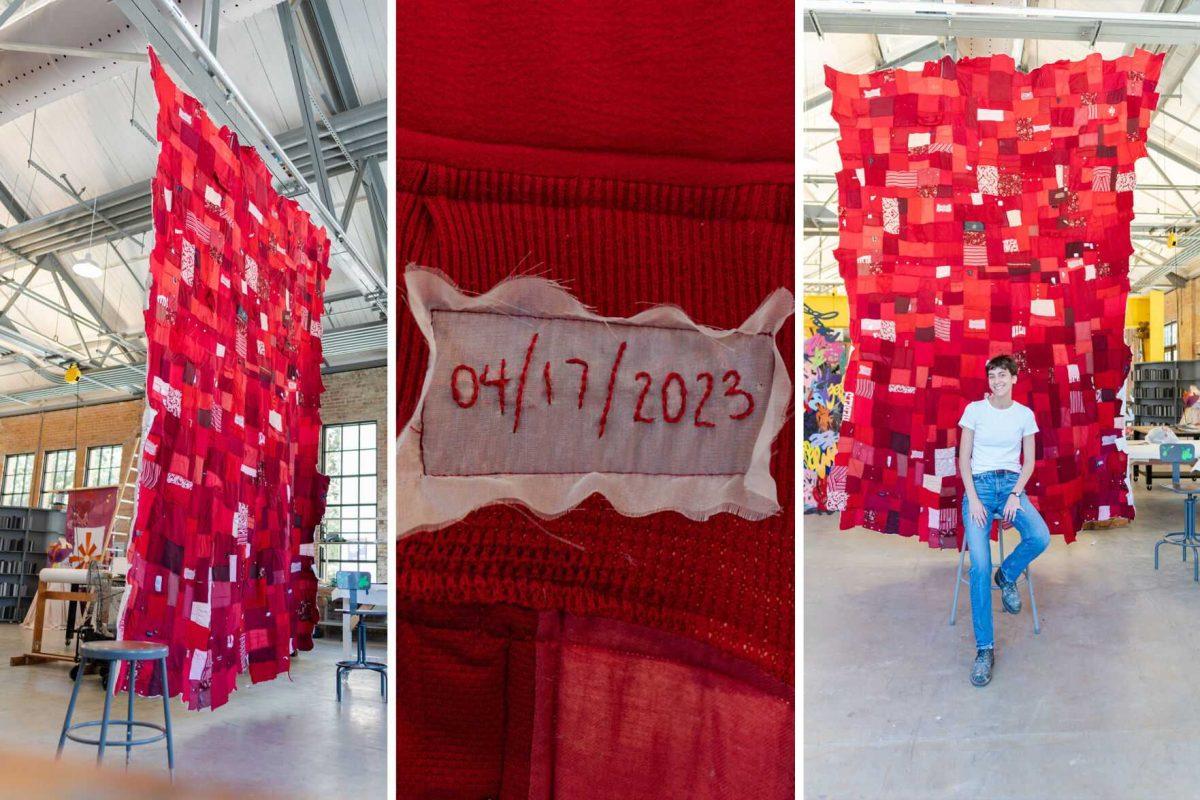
[{"x": 993, "y": 489}]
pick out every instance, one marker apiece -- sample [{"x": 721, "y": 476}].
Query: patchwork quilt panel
[
  {"x": 229, "y": 492},
  {"x": 982, "y": 211}
]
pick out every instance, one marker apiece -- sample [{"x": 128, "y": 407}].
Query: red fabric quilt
[
  {"x": 229, "y": 495},
  {"x": 983, "y": 211}
]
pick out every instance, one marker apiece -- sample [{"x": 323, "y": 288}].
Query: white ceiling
[
  {"x": 87, "y": 136},
  {"x": 862, "y": 53}
]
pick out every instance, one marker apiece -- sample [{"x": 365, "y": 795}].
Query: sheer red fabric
[
  {"x": 984, "y": 211},
  {"x": 229, "y": 493}
]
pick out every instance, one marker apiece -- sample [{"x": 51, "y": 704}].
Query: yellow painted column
[{"x": 1156, "y": 318}]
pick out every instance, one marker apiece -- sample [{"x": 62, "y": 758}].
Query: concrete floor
[
  {"x": 1104, "y": 703},
  {"x": 290, "y": 738}
]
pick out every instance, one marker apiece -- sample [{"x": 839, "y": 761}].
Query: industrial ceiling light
[{"x": 86, "y": 267}]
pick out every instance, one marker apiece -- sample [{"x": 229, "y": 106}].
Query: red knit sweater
[{"x": 640, "y": 154}]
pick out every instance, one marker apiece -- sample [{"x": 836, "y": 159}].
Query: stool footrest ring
[{"x": 162, "y": 733}]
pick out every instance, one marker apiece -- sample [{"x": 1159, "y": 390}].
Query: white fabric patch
[
  {"x": 199, "y": 662},
  {"x": 1014, "y": 218},
  {"x": 1042, "y": 308},
  {"x": 211, "y": 195},
  {"x": 552, "y": 403},
  {"x": 990, "y": 115},
  {"x": 916, "y": 139},
  {"x": 942, "y": 271},
  {"x": 1072, "y": 372},
  {"x": 202, "y": 614},
  {"x": 275, "y": 420}
]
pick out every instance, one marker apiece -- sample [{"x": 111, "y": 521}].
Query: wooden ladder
[{"x": 121, "y": 527}]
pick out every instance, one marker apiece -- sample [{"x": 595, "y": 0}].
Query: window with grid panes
[
  {"x": 18, "y": 477},
  {"x": 1171, "y": 341},
  {"x": 58, "y": 473},
  {"x": 103, "y": 465},
  {"x": 350, "y": 532}
]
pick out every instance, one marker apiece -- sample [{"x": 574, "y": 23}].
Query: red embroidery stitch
[
  {"x": 612, "y": 382},
  {"x": 454, "y": 386},
  {"x": 582, "y": 378},
  {"x": 637, "y": 411},
  {"x": 734, "y": 390},
  {"x": 700, "y": 423},
  {"x": 675, "y": 376},
  {"x": 549, "y": 388},
  {"x": 501, "y": 383},
  {"x": 521, "y": 384}
]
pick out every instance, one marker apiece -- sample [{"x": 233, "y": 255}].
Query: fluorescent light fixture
[{"x": 87, "y": 268}]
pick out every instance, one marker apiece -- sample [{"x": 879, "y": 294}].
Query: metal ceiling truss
[
  {"x": 364, "y": 131},
  {"x": 181, "y": 48},
  {"x": 1006, "y": 22},
  {"x": 354, "y": 139}
]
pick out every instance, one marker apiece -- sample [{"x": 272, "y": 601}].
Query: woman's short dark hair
[{"x": 1002, "y": 362}]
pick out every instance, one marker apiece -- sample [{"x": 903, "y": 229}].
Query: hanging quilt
[
  {"x": 825, "y": 355},
  {"x": 984, "y": 211},
  {"x": 229, "y": 493}
]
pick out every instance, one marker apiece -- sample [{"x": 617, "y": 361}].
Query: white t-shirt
[{"x": 998, "y": 434}]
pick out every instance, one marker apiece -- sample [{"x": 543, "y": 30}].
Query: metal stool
[
  {"x": 959, "y": 580},
  {"x": 353, "y": 582},
  {"x": 1175, "y": 454},
  {"x": 113, "y": 653}
]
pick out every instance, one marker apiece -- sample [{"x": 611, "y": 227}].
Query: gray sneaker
[
  {"x": 1008, "y": 594},
  {"x": 981, "y": 672}
]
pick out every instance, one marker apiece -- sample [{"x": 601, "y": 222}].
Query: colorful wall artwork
[
  {"x": 982, "y": 211},
  {"x": 229, "y": 493},
  {"x": 825, "y": 356}
]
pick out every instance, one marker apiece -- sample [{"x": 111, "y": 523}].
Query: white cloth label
[{"x": 550, "y": 403}]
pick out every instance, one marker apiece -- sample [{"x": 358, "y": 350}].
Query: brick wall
[
  {"x": 355, "y": 396},
  {"x": 1179, "y": 305},
  {"x": 361, "y": 396},
  {"x": 112, "y": 423}
]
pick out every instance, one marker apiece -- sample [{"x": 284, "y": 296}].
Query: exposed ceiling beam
[
  {"x": 938, "y": 19},
  {"x": 180, "y": 47},
  {"x": 363, "y": 130},
  {"x": 53, "y": 50}
]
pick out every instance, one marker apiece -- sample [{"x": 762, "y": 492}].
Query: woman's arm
[
  {"x": 965, "y": 446},
  {"x": 974, "y": 507},
  {"x": 1014, "y": 503},
  {"x": 1027, "y": 458}
]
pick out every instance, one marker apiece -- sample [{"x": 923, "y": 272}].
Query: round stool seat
[{"x": 123, "y": 651}]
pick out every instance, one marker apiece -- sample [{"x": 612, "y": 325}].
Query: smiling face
[{"x": 1001, "y": 381}]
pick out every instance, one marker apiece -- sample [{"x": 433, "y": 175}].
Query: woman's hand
[
  {"x": 975, "y": 509},
  {"x": 1011, "y": 508}
]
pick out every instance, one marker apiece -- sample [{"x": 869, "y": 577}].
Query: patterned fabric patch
[
  {"x": 1031, "y": 208},
  {"x": 825, "y": 356}
]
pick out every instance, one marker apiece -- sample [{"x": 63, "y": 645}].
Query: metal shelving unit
[
  {"x": 1158, "y": 389},
  {"x": 25, "y": 535}
]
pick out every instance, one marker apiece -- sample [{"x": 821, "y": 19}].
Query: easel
[
  {"x": 44, "y": 593},
  {"x": 109, "y": 544}
]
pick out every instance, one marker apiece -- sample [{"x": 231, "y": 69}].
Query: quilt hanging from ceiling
[
  {"x": 825, "y": 354},
  {"x": 229, "y": 493},
  {"x": 983, "y": 210}
]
